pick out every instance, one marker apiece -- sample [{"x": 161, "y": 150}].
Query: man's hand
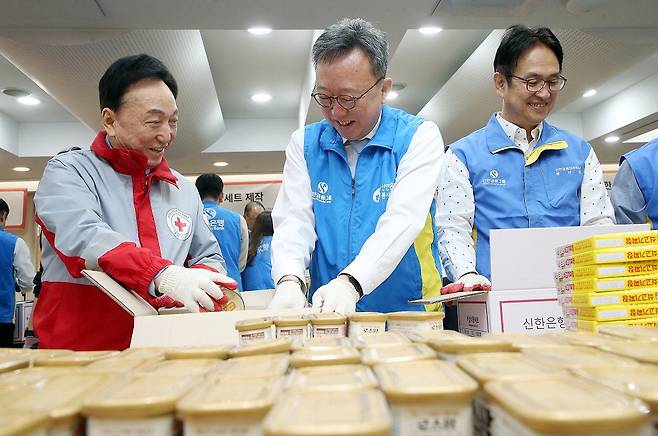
[
  {"x": 468, "y": 282},
  {"x": 288, "y": 295},
  {"x": 338, "y": 296},
  {"x": 193, "y": 286}
]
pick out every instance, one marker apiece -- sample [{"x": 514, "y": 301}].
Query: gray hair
[{"x": 341, "y": 38}]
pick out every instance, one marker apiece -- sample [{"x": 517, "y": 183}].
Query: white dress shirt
[
  {"x": 397, "y": 228},
  {"x": 456, "y": 208},
  {"x": 23, "y": 268}
]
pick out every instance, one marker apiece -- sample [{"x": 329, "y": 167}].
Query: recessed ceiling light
[
  {"x": 589, "y": 93},
  {"x": 392, "y": 95},
  {"x": 21, "y": 169},
  {"x": 259, "y": 30},
  {"x": 430, "y": 30},
  {"x": 261, "y": 98},
  {"x": 220, "y": 164},
  {"x": 15, "y": 92},
  {"x": 611, "y": 139},
  {"x": 28, "y": 100}
]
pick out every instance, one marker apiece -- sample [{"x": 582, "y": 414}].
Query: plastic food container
[
  {"x": 445, "y": 335},
  {"x": 322, "y": 343},
  {"x": 26, "y": 377},
  {"x": 293, "y": 328},
  {"x": 415, "y": 321},
  {"x": 366, "y": 323},
  {"x": 255, "y": 330},
  {"x": 631, "y": 332},
  {"x": 642, "y": 351},
  {"x": 587, "y": 339},
  {"x": 271, "y": 346},
  {"x": 522, "y": 340},
  {"x": 182, "y": 367},
  {"x": 10, "y": 362},
  {"x": 142, "y": 404},
  {"x": 116, "y": 365},
  {"x": 381, "y": 340},
  {"x": 78, "y": 358},
  {"x": 396, "y": 353},
  {"x": 331, "y": 356},
  {"x": 233, "y": 407},
  {"x": 327, "y": 325},
  {"x": 332, "y": 378},
  {"x": 428, "y": 397},
  {"x": 575, "y": 357},
  {"x": 205, "y": 352},
  {"x": 143, "y": 353},
  {"x": 449, "y": 349},
  {"x": 21, "y": 424},
  {"x": 269, "y": 365},
  {"x": 565, "y": 405},
  {"x": 350, "y": 413}
]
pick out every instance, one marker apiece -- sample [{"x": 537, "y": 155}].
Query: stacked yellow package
[{"x": 609, "y": 279}]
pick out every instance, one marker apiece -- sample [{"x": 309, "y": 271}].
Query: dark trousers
[{"x": 6, "y": 334}]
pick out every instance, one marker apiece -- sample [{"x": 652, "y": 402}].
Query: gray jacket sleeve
[{"x": 627, "y": 198}]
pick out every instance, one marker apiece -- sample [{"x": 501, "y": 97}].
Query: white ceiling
[{"x": 59, "y": 48}]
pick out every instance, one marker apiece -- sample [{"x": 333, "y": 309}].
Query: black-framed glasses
[
  {"x": 536, "y": 85},
  {"x": 347, "y": 102}
]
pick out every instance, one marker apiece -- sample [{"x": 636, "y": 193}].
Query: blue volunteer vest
[
  {"x": 225, "y": 225},
  {"x": 258, "y": 274},
  {"x": 346, "y": 211},
  {"x": 7, "y": 282},
  {"x": 515, "y": 191},
  {"x": 643, "y": 163}
]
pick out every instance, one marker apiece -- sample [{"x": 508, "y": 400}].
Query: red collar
[{"x": 130, "y": 162}]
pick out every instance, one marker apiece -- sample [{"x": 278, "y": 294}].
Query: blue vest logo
[
  {"x": 321, "y": 194},
  {"x": 494, "y": 179},
  {"x": 573, "y": 169},
  {"x": 382, "y": 192}
]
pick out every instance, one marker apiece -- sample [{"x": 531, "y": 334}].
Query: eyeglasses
[
  {"x": 536, "y": 85},
  {"x": 347, "y": 102}
]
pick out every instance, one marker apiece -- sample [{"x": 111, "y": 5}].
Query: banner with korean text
[{"x": 238, "y": 194}]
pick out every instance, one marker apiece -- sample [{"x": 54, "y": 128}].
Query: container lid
[
  {"x": 469, "y": 345},
  {"x": 330, "y": 356},
  {"x": 587, "y": 339},
  {"x": 332, "y": 378},
  {"x": 180, "y": 367},
  {"x": 523, "y": 340},
  {"x": 11, "y": 363},
  {"x": 424, "y": 336},
  {"x": 416, "y": 315},
  {"x": 139, "y": 395},
  {"x": 290, "y": 321},
  {"x": 351, "y": 412},
  {"x": 30, "y": 376},
  {"x": 222, "y": 398},
  {"x": 423, "y": 380},
  {"x": 643, "y": 351},
  {"x": 573, "y": 357},
  {"x": 116, "y": 365},
  {"x": 21, "y": 423},
  {"x": 270, "y": 346},
  {"x": 381, "y": 339},
  {"x": 630, "y": 331},
  {"x": 326, "y": 318},
  {"x": 367, "y": 317},
  {"x": 78, "y": 358},
  {"x": 268, "y": 365},
  {"x": 322, "y": 343},
  {"x": 566, "y": 405},
  {"x": 206, "y": 352},
  {"x": 253, "y": 324},
  {"x": 485, "y": 367},
  {"x": 396, "y": 353},
  {"x": 640, "y": 382},
  {"x": 143, "y": 353}
]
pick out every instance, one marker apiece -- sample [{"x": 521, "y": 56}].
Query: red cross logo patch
[{"x": 179, "y": 223}]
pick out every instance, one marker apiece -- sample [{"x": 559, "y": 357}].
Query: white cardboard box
[{"x": 185, "y": 329}]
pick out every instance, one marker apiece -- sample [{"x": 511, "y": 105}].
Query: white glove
[
  {"x": 192, "y": 286},
  {"x": 468, "y": 282},
  {"x": 336, "y": 296},
  {"x": 288, "y": 295}
]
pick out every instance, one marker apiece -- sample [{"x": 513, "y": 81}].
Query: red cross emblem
[{"x": 179, "y": 224}]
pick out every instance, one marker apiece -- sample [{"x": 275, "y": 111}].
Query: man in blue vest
[
  {"x": 15, "y": 269},
  {"x": 518, "y": 170},
  {"x": 356, "y": 203},
  {"x": 229, "y": 228},
  {"x": 635, "y": 189}
]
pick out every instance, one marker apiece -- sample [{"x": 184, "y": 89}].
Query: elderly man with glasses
[
  {"x": 518, "y": 170},
  {"x": 356, "y": 204}
]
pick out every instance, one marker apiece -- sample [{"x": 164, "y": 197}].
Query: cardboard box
[{"x": 185, "y": 329}]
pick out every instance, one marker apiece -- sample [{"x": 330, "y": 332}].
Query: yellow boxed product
[
  {"x": 617, "y": 312},
  {"x": 233, "y": 407},
  {"x": 415, "y": 321},
  {"x": 610, "y": 284},
  {"x": 613, "y": 255},
  {"x": 629, "y": 239},
  {"x": 141, "y": 404},
  {"x": 565, "y": 405},
  {"x": 524, "y": 340},
  {"x": 328, "y": 325},
  {"x": 380, "y": 340},
  {"x": 255, "y": 330},
  {"x": 449, "y": 349},
  {"x": 272, "y": 346},
  {"x": 268, "y": 365},
  {"x": 295, "y": 328},
  {"x": 428, "y": 397},
  {"x": 332, "y": 378},
  {"x": 331, "y": 356},
  {"x": 180, "y": 367},
  {"x": 424, "y": 336},
  {"x": 396, "y": 353},
  {"x": 643, "y": 351},
  {"x": 22, "y": 424},
  {"x": 575, "y": 357},
  {"x": 631, "y": 332},
  {"x": 600, "y": 326},
  {"x": 640, "y": 383},
  {"x": 350, "y": 413},
  {"x": 614, "y": 297},
  {"x": 78, "y": 358},
  {"x": 365, "y": 323},
  {"x": 608, "y": 270},
  {"x": 322, "y": 343}
]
